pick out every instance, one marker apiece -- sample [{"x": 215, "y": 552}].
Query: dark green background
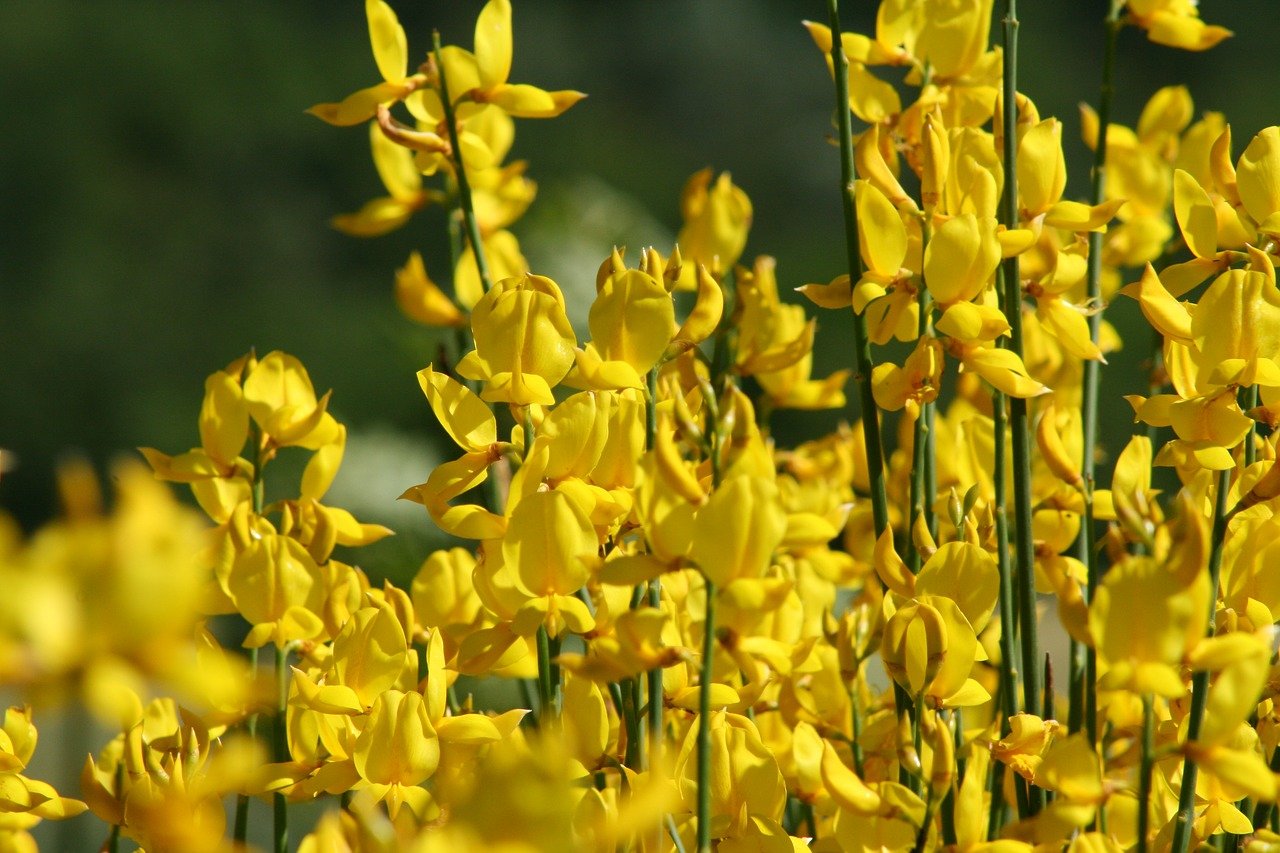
[{"x": 167, "y": 199}]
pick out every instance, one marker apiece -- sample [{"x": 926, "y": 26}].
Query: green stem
[
  {"x": 113, "y": 840},
  {"x": 656, "y": 729},
  {"x": 861, "y": 344},
  {"x": 1200, "y": 681},
  {"x": 1265, "y": 810},
  {"x": 856, "y": 723},
  {"x": 464, "y": 187},
  {"x": 1025, "y": 562},
  {"x": 1145, "y": 770},
  {"x": 996, "y": 816},
  {"x": 258, "y": 492},
  {"x": 1008, "y": 674},
  {"x": 280, "y": 807},
  {"x": 1250, "y": 401},
  {"x": 546, "y": 702},
  {"x": 704, "y": 720},
  {"x": 1085, "y": 550},
  {"x": 675, "y": 834},
  {"x": 631, "y": 721}
]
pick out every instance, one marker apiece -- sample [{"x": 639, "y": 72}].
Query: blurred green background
[{"x": 167, "y": 198}]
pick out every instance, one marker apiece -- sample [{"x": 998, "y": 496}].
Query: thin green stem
[
  {"x": 1008, "y": 673},
  {"x": 258, "y": 492},
  {"x": 631, "y": 721},
  {"x": 855, "y": 713},
  {"x": 862, "y": 363},
  {"x": 464, "y": 187},
  {"x": 1200, "y": 681},
  {"x": 1250, "y": 401},
  {"x": 1262, "y": 816},
  {"x": 546, "y": 702},
  {"x": 999, "y": 808},
  {"x": 241, "y": 826},
  {"x": 113, "y": 840},
  {"x": 704, "y": 720},
  {"x": 1085, "y": 550},
  {"x": 674, "y": 833},
  {"x": 656, "y": 728},
  {"x": 1145, "y": 769},
  {"x": 1025, "y": 554},
  {"x": 280, "y": 806}
]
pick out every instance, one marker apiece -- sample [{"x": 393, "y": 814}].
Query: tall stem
[
  {"x": 704, "y": 720},
  {"x": 546, "y": 690},
  {"x": 1200, "y": 682},
  {"x": 257, "y": 491},
  {"x": 656, "y": 733},
  {"x": 280, "y": 807},
  {"x": 1145, "y": 769},
  {"x": 861, "y": 343},
  {"x": 1025, "y": 562},
  {"x": 1086, "y": 552},
  {"x": 464, "y": 186}
]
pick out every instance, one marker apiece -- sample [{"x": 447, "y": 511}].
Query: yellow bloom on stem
[
  {"x": 397, "y": 751},
  {"x": 747, "y": 788},
  {"x": 1175, "y": 23},
  {"x": 737, "y": 530},
  {"x": 771, "y": 336},
  {"x": 405, "y": 193},
  {"x": 276, "y": 585},
  {"x": 421, "y": 300},
  {"x": 551, "y": 545},
  {"x": 717, "y": 218},
  {"x": 524, "y": 343},
  {"x": 481, "y": 77},
  {"x": 632, "y": 322},
  {"x": 283, "y": 403},
  {"x": 1072, "y": 769},
  {"x": 391, "y": 53},
  {"x": 1042, "y": 177},
  {"x": 1140, "y": 619},
  {"x": 1227, "y": 746},
  {"x": 961, "y": 258}
]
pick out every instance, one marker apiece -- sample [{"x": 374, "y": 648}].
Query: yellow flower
[
  {"x": 398, "y": 750},
  {"x": 421, "y": 300},
  {"x": 524, "y": 343},
  {"x": 1175, "y": 23},
  {"x": 391, "y": 53},
  {"x": 481, "y": 77},
  {"x": 717, "y": 218},
  {"x": 550, "y": 545}
]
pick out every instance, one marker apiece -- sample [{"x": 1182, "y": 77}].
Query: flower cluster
[{"x": 719, "y": 642}]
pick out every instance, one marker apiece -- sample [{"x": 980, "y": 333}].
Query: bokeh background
[{"x": 167, "y": 199}]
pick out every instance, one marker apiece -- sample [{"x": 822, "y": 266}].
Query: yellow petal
[
  {"x": 1196, "y": 217},
  {"x": 421, "y": 300},
  {"x": 1258, "y": 175},
  {"x": 1042, "y": 171},
  {"x": 1005, "y": 370},
  {"x": 390, "y": 47},
  {"x": 469, "y": 422},
  {"x": 493, "y": 43},
  {"x": 737, "y": 530},
  {"x": 881, "y": 234}
]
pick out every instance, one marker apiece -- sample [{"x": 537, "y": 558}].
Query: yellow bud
[
  {"x": 703, "y": 319},
  {"x": 914, "y": 646}
]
